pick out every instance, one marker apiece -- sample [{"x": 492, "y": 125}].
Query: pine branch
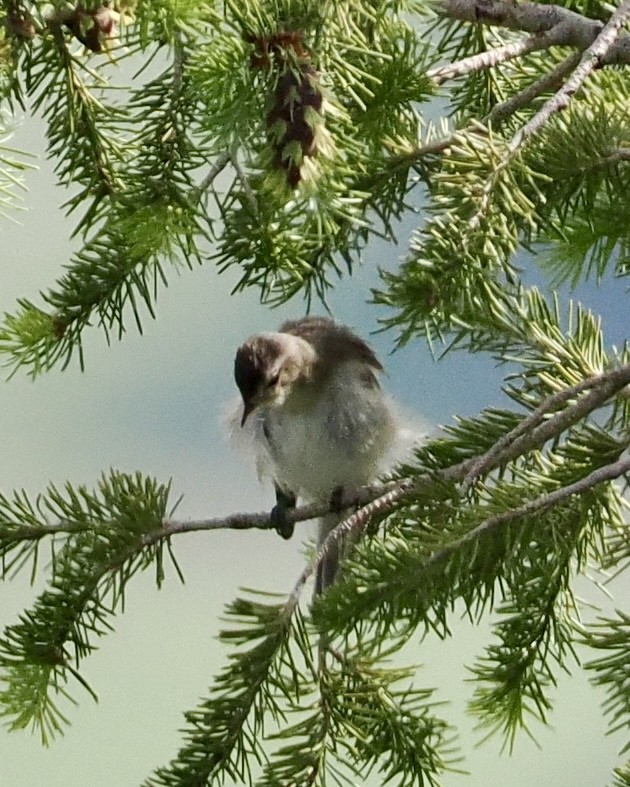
[
  {"x": 535, "y": 636},
  {"x": 433, "y": 558},
  {"x": 531, "y": 433},
  {"x": 217, "y": 96},
  {"x": 227, "y": 729},
  {"x": 612, "y": 670},
  {"x": 622, "y": 776},
  {"x": 593, "y": 57},
  {"x": 602, "y": 475},
  {"x": 156, "y": 219},
  {"x": 362, "y": 720},
  {"x": 301, "y": 761},
  {"x": 12, "y": 164},
  {"x": 498, "y": 201},
  {"x": 101, "y": 527},
  {"x": 531, "y": 430},
  {"x": 462, "y": 546},
  {"x": 526, "y": 327},
  {"x": 84, "y": 134},
  {"x": 509, "y": 502},
  {"x": 391, "y": 729},
  {"x": 41, "y": 653}
]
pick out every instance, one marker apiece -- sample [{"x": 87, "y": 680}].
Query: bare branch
[
  {"x": 220, "y": 163},
  {"x": 601, "y": 475},
  {"x": 572, "y": 29},
  {"x": 551, "y": 81},
  {"x": 618, "y": 154},
  {"x": 492, "y": 57},
  {"x": 535, "y": 429},
  {"x": 594, "y": 57}
]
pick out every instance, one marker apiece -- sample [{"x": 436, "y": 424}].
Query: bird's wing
[{"x": 332, "y": 340}]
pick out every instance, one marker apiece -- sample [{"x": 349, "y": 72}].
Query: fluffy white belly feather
[{"x": 342, "y": 441}]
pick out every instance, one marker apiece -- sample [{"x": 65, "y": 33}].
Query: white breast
[{"x": 343, "y": 439}]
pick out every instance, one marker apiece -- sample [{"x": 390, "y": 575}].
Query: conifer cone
[{"x": 295, "y": 120}]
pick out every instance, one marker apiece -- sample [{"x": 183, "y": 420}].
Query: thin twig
[
  {"x": 178, "y": 65},
  {"x": 592, "y": 57},
  {"x": 244, "y": 180},
  {"x": 527, "y": 429},
  {"x": 492, "y": 57},
  {"x": 551, "y": 81},
  {"x": 411, "y": 157},
  {"x": 599, "y": 476},
  {"x": 262, "y": 521},
  {"x": 220, "y": 163},
  {"x": 431, "y": 148}
]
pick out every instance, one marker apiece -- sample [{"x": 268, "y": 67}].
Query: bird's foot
[
  {"x": 285, "y": 501},
  {"x": 336, "y": 500}
]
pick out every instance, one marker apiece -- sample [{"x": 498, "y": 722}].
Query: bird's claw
[
  {"x": 336, "y": 500},
  {"x": 279, "y": 521},
  {"x": 285, "y": 501}
]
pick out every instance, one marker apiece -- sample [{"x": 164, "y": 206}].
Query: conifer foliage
[{"x": 304, "y": 124}]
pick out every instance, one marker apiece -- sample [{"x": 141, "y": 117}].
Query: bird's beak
[{"x": 248, "y": 406}]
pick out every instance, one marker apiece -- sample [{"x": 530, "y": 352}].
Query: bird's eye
[{"x": 273, "y": 381}]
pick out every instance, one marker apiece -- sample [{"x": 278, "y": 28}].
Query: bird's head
[{"x": 267, "y": 366}]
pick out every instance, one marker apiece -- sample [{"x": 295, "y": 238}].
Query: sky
[{"x": 156, "y": 403}]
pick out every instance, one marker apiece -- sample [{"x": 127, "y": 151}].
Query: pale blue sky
[{"x": 153, "y": 403}]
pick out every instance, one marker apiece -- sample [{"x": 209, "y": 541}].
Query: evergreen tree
[{"x": 314, "y": 112}]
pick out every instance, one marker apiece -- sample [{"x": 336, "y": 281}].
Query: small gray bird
[{"x": 317, "y": 415}]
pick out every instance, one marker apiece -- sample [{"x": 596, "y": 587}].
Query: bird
[{"x": 320, "y": 423}]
